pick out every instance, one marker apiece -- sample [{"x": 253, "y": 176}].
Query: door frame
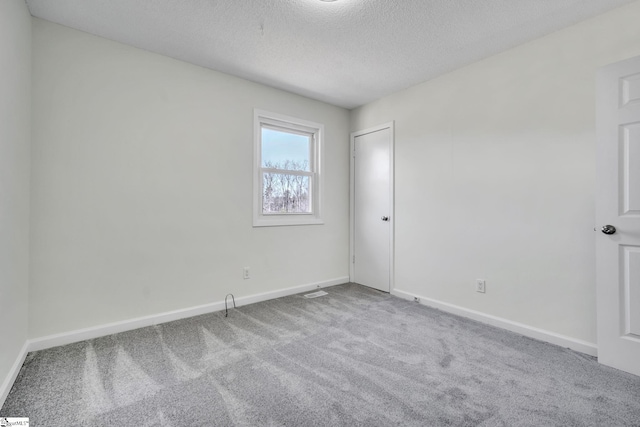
[{"x": 392, "y": 205}]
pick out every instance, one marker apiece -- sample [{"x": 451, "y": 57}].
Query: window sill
[{"x": 279, "y": 221}]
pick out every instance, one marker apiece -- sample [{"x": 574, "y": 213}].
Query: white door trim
[{"x": 392, "y": 205}]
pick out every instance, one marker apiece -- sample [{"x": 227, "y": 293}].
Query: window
[{"x": 287, "y": 184}]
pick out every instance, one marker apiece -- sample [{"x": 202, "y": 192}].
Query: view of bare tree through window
[
  {"x": 284, "y": 192},
  {"x": 286, "y": 172}
]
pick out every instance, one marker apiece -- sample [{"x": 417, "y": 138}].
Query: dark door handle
[
  {"x": 385, "y": 218},
  {"x": 609, "y": 229}
]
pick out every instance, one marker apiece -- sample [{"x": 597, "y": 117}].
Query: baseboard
[
  {"x": 251, "y": 299},
  {"x": 520, "y": 328},
  {"x": 13, "y": 373},
  {"x": 141, "y": 322}
]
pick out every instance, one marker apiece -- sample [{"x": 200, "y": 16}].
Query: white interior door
[
  {"x": 372, "y": 219},
  {"x": 618, "y": 206}
]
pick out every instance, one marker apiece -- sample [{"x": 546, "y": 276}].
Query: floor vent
[{"x": 316, "y": 294}]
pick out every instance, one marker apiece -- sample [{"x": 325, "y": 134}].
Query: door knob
[
  {"x": 385, "y": 218},
  {"x": 609, "y": 229}
]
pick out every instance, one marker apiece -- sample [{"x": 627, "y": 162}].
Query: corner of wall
[{"x": 15, "y": 133}]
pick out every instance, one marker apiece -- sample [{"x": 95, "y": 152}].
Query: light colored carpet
[{"x": 355, "y": 357}]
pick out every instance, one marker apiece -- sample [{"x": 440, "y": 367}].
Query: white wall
[
  {"x": 495, "y": 177},
  {"x": 15, "y": 122},
  {"x": 142, "y": 186}
]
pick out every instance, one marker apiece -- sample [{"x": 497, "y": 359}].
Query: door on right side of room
[
  {"x": 372, "y": 206},
  {"x": 618, "y": 216}
]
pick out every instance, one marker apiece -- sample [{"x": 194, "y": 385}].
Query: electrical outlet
[
  {"x": 480, "y": 286},
  {"x": 245, "y": 273}
]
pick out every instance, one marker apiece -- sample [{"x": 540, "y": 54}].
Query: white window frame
[{"x": 293, "y": 125}]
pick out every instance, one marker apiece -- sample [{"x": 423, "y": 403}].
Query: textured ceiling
[{"x": 347, "y": 52}]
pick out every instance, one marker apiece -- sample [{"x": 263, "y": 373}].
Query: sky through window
[{"x": 278, "y": 147}]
